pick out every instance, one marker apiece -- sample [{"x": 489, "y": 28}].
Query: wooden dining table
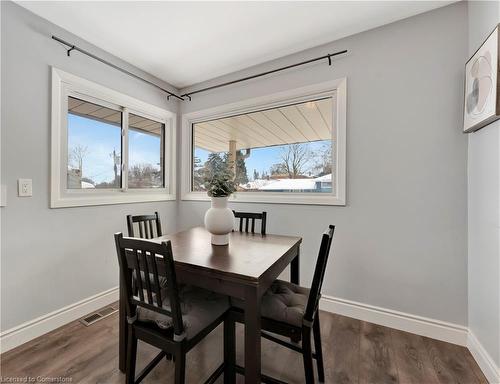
[{"x": 243, "y": 269}]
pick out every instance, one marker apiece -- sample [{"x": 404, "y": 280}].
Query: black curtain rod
[
  {"x": 329, "y": 57},
  {"x": 75, "y": 48}
]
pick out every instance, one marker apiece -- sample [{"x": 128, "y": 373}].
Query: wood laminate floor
[{"x": 355, "y": 352}]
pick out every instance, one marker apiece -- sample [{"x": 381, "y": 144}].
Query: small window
[
  {"x": 94, "y": 146},
  {"x": 107, "y": 147},
  {"x": 145, "y": 140}
]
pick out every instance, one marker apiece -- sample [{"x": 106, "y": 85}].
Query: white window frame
[
  {"x": 65, "y": 84},
  {"x": 337, "y": 89}
]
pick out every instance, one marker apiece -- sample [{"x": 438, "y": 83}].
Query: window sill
[
  {"x": 110, "y": 198},
  {"x": 272, "y": 198}
]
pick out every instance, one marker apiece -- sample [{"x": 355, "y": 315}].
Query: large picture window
[
  {"x": 107, "y": 147},
  {"x": 289, "y": 150},
  {"x": 282, "y": 149}
]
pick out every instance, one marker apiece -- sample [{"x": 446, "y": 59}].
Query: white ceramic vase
[{"x": 219, "y": 221}]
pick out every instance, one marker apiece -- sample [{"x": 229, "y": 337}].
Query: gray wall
[
  {"x": 52, "y": 257},
  {"x": 401, "y": 241},
  {"x": 484, "y": 206}
]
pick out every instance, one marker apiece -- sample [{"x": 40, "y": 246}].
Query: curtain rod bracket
[
  {"x": 329, "y": 60},
  {"x": 182, "y": 98},
  {"x": 68, "y": 52}
]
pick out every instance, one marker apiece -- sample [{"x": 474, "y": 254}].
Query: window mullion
[
  {"x": 163, "y": 138},
  {"x": 125, "y": 117}
]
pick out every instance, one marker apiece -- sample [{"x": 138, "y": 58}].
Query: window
[
  {"x": 145, "y": 141},
  {"x": 288, "y": 149},
  {"x": 94, "y": 145},
  {"x": 108, "y": 148}
]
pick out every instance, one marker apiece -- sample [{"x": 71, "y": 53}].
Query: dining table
[{"x": 243, "y": 269}]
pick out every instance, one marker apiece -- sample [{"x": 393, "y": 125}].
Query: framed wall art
[{"x": 482, "y": 85}]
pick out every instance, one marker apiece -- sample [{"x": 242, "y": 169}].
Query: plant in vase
[{"x": 219, "y": 219}]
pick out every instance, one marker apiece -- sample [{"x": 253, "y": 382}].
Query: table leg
[
  {"x": 252, "y": 336},
  {"x": 229, "y": 350},
  {"x": 122, "y": 334},
  {"x": 295, "y": 268}
]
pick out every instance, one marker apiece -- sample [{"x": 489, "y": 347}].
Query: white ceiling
[{"x": 184, "y": 43}]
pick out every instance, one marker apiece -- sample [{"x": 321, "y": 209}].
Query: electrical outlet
[{"x": 24, "y": 188}]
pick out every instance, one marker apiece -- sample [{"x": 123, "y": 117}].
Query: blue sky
[
  {"x": 101, "y": 139},
  {"x": 261, "y": 159}
]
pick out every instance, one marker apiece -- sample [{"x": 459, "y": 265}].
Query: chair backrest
[
  {"x": 155, "y": 261},
  {"x": 248, "y": 218},
  {"x": 146, "y": 224},
  {"x": 319, "y": 274}
]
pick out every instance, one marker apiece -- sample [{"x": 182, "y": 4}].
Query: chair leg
[
  {"x": 229, "y": 351},
  {"x": 131, "y": 355},
  {"x": 180, "y": 367},
  {"x": 319, "y": 349},
  {"x": 307, "y": 355}
]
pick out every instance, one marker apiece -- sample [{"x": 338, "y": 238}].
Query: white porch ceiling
[
  {"x": 108, "y": 115},
  {"x": 310, "y": 121},
  {"x": 184, "y": 43}
]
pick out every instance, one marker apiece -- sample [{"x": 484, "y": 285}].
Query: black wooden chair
[
  {"x": 248, "y": 218},
  {"x": 172, "y": 319},
  {"x": 287, "y": 310},
  {"x": 147, "y": 224}
]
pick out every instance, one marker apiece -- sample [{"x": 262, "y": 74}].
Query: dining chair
[
  {"x": 173, "y": 319},
  {"x": 146, "y": 225},
  {"x": 248, "y": 218},
  {"x": 287, "y": 310}
]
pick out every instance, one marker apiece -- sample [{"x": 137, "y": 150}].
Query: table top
[{"x": 247, "y": 256}]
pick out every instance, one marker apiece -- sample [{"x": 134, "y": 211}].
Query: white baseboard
[
  {"x": 30, "y": 330},
  {"x": 483, "y": 359},
  {"x": 435, "y": 329}
]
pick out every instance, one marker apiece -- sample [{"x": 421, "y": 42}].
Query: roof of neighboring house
[
  {"x": 289, "y": 184},
  {"x": 324, "y": 178},
  {"x": 286, "y": 184},
  {"x": 256, "y": 184},
  {"x": 87, "y": 185}
]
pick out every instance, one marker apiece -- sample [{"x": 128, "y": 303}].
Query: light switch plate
[{"x": 25, "y": 187}]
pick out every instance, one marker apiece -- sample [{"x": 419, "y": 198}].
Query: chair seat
[
  {"x": 283, "y": 301},
  {"x": 199, "y": 309}
]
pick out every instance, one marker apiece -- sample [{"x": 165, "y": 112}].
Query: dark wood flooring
[{"x": 355, "y": 352}]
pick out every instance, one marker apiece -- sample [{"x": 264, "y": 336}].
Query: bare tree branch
[
  {"x": 294, "y": 159},
  {"x": 77, "y": 154}
]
